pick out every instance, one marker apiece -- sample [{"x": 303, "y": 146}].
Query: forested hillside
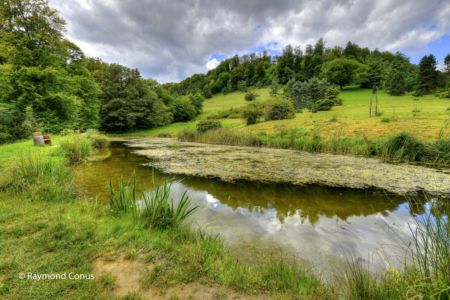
[{"x": 47, "y": 84}]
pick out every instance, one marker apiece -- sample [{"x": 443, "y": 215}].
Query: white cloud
[
  {"x": 212, "y": 64},
  {"x": 169, "y": 40}
]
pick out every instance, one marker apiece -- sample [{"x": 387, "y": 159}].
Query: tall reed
[
  {"x": 160, "y": 211},
  {"x": 156, "y": 208}
]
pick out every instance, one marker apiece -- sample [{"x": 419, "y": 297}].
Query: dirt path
[{"x": 230, "y": 163}]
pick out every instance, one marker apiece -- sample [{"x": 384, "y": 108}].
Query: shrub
[
  {"x": 206, "y": 125},
  {"x": 322, "y": 105},
  {"x": 183, "y": 110},
  {"x": 445, "y": 93},
  {"x": 279, "y": 110},
  {"x": 252, "y": 114},
  {"x": 76, "y": 148},
  {"x": 250, "y": 96}
]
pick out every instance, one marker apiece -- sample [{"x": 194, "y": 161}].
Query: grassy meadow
[{"x": 425, "y": 117}]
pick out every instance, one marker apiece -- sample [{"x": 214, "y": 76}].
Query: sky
[{"x": 170, "y": 40}]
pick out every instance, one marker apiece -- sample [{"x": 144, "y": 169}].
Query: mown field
[{"x": 424, "y": 117}]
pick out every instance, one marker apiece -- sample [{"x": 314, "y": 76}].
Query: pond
[{"x": 320, "y": 225}]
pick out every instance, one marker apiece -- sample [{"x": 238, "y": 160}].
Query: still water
[{"x": 323, "y": 226}]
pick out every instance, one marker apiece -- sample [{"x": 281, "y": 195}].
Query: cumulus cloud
[
  {"x": 212, "y": 64},
  {"x": 169, "y": 40}
]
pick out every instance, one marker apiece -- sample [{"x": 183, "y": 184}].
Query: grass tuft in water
[
  {"x": 159, "y": 210},
  {"x": 431, "y": 249},
  {"x": 123, "y": 200}
]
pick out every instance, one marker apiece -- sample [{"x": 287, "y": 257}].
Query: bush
[
  {"x": 280, "y": 110},
  {"x": 445, "y": 94},
  {"x": 183, "y": 110},
  {"x": 250, "y": 96},
  {"x": 76, "y": 148},
  {"x": 252, "y": 114},
  {"x": 206, "y": 125},
  {"x": 322, "y": 105}
]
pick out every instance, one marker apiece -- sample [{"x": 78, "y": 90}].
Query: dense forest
[{"x": 47, "y": 84}]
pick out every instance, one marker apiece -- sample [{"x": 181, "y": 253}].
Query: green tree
[
  {"x": 341, "y": 71},
  {"x": 183, "y": 110},
  {"x": 396, "y": 81},
  {"x": 375, "y": 73},
  {"x": 279, "y": 110},
  {"x": 428, "y": 75}
]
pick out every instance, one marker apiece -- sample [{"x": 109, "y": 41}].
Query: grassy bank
[
  {"x": 45, "y": 227},
  {"x": 403, "y": 147}
]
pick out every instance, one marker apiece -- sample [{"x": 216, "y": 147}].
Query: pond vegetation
[{"x": 77, "y": 229}]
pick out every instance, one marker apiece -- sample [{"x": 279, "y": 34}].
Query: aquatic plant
[
  {"x": 123, "y": 200},
  {"x": 159, "y": 211},
  {"x": 431, "y": 248}
]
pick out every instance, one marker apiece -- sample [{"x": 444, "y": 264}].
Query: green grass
[
  {"x": 425, "y": 117},
  {"x": 47, "y": 236},
  {"x": 157, "y": 209},
  {"x": 43, "y": 236}
]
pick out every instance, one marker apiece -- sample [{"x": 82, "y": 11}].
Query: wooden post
[
  {"x": 370, "y": 107},
  {"x": 376, "y": 101}
]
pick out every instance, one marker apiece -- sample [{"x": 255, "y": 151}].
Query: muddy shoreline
[{"x": 269, "y": 165}]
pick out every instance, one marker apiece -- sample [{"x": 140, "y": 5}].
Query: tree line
[
  {"x": 47, "y": 83},
  {"x": 339, "y": 66}
]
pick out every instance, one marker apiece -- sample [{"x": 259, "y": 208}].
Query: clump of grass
[
  {"x": 431, "y": 249},
  {"x": 99, "y": 141},
  {"x": 43, "y": 178},
  {"x": 76, "y": 148},
  {"x": 403, "y": 147},
  {"x": 123, "y": 200},
  {"x": 159, "y": 210},
  {"x": 107, "y": 281},
  {"x": 164, "y": 135},
  {"x": 360, "y": 283}
]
